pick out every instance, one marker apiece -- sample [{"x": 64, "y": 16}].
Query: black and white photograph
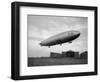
[
  {"x": 53, "y": 40},
  {"x": 57, "y": 40}
]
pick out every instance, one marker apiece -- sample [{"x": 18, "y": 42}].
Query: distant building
[
  {"x": 55, "y": 55},
  {"x": 69, "y": 53},
  {"x": 84, "y": 55},
  {"x": 63, "y": 54},
  {"x": 77, "y": 55}
]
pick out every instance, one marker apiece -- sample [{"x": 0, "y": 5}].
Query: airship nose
[{"x": 40, "y": 44}]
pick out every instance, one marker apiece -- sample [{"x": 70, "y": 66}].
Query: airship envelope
[{"x": 60, "y": 38}]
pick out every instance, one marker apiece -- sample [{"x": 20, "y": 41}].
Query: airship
[{"x": 61, "y": 38}]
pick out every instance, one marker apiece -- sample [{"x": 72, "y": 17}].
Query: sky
[{"x": 41, "y": 27}]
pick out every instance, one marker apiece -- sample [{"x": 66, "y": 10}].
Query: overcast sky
[{"x": 42, "y": 27}]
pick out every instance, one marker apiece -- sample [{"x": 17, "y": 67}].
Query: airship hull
[{"x": 60, "y": 38}]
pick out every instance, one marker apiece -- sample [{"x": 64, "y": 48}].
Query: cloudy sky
[{"x": 41, "y": 27}]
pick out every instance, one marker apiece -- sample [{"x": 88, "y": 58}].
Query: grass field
[{"x": 55, "y": 61}]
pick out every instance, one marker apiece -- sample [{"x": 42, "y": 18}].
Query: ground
[{"x": 55, "y": 61}]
